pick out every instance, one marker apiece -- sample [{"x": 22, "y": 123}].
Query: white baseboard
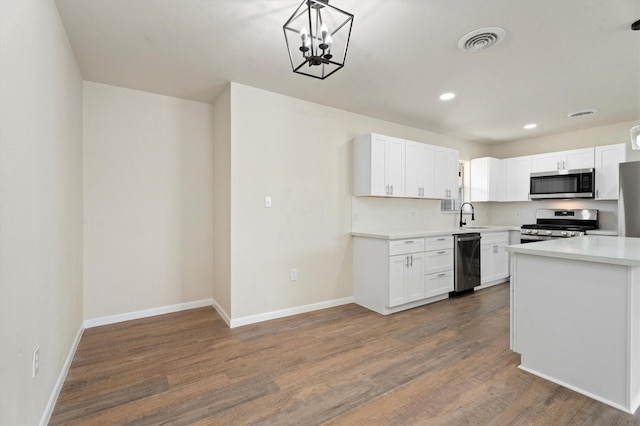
[
  {"x": 112, "y": 319},
  {"x": 51, "y": 404},
  {"x": 629, "y": 410},
  {"x": 252, "y": 319},
  {"x": 222, "y": 312}
]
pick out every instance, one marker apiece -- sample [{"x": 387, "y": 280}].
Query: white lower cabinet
[
  {"x": 494, "y": 259},
  {"x": 406, "y": 279},
  {"x": 392, "y": 276},
  {"x": 439, "y": 265},
  {"x": 439, "y": 283}
]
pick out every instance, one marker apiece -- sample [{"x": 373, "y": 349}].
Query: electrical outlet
[
  {"x": 267, "y": 202},
  {"x": 35, "y": 365},
  {"x": 293, "y": 275}
]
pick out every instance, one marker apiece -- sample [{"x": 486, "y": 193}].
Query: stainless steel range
[{"x": 551, "y": 224}]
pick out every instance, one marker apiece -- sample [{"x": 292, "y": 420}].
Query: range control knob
[
  {"x": 564, "y": 233},
  {"x": 571, "y": 234},
  {"x": 534, "y": 231}
]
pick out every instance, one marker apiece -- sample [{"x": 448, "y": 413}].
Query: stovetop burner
[
  {"x": 557, "y": 227},
  {"x": 559, "y": 224}
]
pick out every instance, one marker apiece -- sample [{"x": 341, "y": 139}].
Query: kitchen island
[{"x": 575, "y": 315}]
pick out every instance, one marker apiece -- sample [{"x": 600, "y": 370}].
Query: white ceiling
[{"x": 559, "y": 56}]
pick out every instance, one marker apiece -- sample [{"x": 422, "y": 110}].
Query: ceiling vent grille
[
  {"x": 481, "y": 39},
  {"x": 582, "y": 113}
]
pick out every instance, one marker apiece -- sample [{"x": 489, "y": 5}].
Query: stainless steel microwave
[{"x": 562, "y": 184}]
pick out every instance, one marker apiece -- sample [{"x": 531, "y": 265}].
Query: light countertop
[
  {"x": 398, "y": 235},
  {"x": 590, "y": 248}
]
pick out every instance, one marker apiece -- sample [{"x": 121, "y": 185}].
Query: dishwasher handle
[{"x": 460, "y": 239}]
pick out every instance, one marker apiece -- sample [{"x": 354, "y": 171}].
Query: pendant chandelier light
[{"x": 317, "y": 36}]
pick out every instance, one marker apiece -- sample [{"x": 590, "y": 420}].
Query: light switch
[{"x": 267, "y": 202}]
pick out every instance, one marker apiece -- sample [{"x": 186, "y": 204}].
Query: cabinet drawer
[
  {"x": 439, "y": 260},
  {"x": 439, "y": 283},
  {"x": 414, "y": 245},
  {"x": 494, "y": 238},
  {"x": 439, "y": 242}
]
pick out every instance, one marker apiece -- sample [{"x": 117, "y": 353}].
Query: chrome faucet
[{"x": 473, "y": 214}]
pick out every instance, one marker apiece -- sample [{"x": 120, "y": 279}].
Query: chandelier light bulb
[
  {"x": 324, "y": 30},
  {"x": 329, "y": 41},
  {"x": 304, "y": 35}
]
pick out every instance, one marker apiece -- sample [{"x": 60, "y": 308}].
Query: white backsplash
[
  {"x": 369, "y": 214},
  {"x": 399, "y": 214}
]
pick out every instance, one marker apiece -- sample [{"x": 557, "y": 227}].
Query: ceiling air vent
[
  {"x": 582, "y": 113},
  {"x": 481, "y": 39}
]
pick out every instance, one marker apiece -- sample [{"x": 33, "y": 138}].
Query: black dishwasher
[{"x": 466, "y": 261}]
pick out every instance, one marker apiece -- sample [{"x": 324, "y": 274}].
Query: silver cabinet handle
[
  {"x": 406, "y": 261},
  {"x": 441, "y": 239},
  {"x": 441, "y": 252},
  {"x": 386, "y": 190},
  {"x": 558, "y": 165},
  {"x": 391, "y": 189},
  {"x": 442, "y": 274},
  {"x": 495, "y": 249},
  {"x": 409, "y": 242},
  {"x": 411, "y": 260}
]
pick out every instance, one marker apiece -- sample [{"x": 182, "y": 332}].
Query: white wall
[
  {"x": 299, "y": 153},
  {"x": 222, "y": 202},
  {"x": 40, "y": 205},
  {"x": 595, "y": 136},
  {"x": 148, "y": 201}
]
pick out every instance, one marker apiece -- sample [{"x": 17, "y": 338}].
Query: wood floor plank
[{"x": 446, "y": 363}]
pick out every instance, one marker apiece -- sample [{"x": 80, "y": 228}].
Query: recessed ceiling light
[
  {"x": 530, "y": 126},
  {"x": 447, "y": 96}
]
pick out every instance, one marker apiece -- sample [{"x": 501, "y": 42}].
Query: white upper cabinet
[
  {"x": 488, "y": 179},
  {"x": 564, "y": 160},
  {"x": 607, "y": 160},
  {"x": 445, "y": 173},
  {"x": 378, "y": 166},
  {"x": 518, "y": 174},
  {"x": 384, "y": 166},
  {"x": 419, "y": 170}
]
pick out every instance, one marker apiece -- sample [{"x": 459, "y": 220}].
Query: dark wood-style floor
[{"x": 446, "y": 363}]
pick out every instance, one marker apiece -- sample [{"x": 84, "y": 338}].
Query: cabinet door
[
  {"x": 578, "y": 159},
  {"x": 608, "y": 159},
  {"x": 378, "y": 156},
  {"x": 488, "y": 179},
  {"x": 500, "y": 261},
  {"x": 369, "y": 164},
  {"x": 486, "y": 263},
  {"x": 445, "y": 176},
  {"x": 479, "y": 179},
  {"x": 415, "y": 277},
  {"x": 394, "y": 166},
  {"x": 548, "y": 162},
  {"x": 518, "y": 173},
  {"x": 439, "y": 283},
  {"x": 397, "y": 280},
  {"x": 419, "y": 167}
]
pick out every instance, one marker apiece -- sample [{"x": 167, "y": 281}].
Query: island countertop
[{"x": 591, "y": 248}]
